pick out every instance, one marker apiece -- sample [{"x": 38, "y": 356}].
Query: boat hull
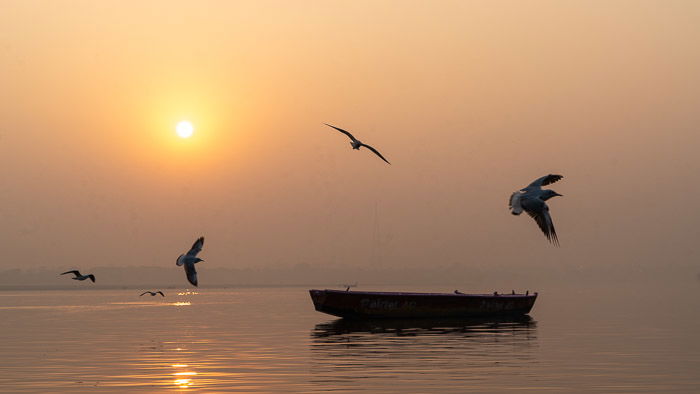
[{"x": 365, "y": 304}]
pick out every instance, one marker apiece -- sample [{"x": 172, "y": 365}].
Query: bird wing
[
  {"x": 375, "y": 152},
  {"x": 74, "y": 272},
  {"x": 92, "y": 278},
  {"x": 342, "y": 131},
  {"x": 538, "y": 210},
  {"x": 161, "y": 293},
  {"x": 145, "y": 292},
  {"x": 196, "y": 247},
  {"x": 545, "y": 180},
  {"x": 191, "y": 273}
]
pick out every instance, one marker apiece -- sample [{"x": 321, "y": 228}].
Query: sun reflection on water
[
  {"x": 180, "y": 303},
  {"x": 183, "y": 379},
  {"x": 183, "y": 383}
]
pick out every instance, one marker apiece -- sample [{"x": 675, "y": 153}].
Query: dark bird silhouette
[
  {"x": 153, "y": 293},
  {"x": 356, "y": 144},
  {"x": 458, "y": 292},
  {"x": 347, "y": 287},
  {"x": 531, "y": 199},
  {"x": 79, "y": 276},
  {"x": 190, "y": 258}
]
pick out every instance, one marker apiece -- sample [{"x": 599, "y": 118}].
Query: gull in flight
[
  {"x": 153, "y": 293},
  {"x": 356, "y": 144},
  {"x": 190, "y": 258},
  {"x": 531, "y": 199},
  {"x": 79, "y": 276}
]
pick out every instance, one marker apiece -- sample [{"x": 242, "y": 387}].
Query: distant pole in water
[{"x": 375, "y": 234}]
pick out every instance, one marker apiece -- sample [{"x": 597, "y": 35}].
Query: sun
[{"x": 184, "y": 129}]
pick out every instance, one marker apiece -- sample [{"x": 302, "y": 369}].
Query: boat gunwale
[{"x": 392, "y": 293}]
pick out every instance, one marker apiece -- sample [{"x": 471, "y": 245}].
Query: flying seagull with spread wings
[
  {"x": 356, "y": 144},
  {"x": 153, "y": 293},
  {"x": 190, "y": 258},
  {"x": 79, "y": 276},
  {"x": 531, "y": 199}
]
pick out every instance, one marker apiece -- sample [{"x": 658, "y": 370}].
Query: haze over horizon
[{"x": 470, "y": 101}]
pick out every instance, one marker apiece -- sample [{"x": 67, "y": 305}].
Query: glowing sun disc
[{"x": 184, "y": 129}]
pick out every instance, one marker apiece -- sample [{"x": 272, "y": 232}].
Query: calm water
[{"x": 271, "y": 339}]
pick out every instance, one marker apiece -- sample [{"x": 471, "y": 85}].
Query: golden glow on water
[
  {"x": 183, "y": 383},
  {"x": 186, "y": 303},
  {"x": 181, "y": 380},
  {"x": 288, "y": 347},
  {"x": 187, "y": 293}
]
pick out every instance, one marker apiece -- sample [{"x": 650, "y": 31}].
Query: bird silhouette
[
  {"x": 153, "y": 293},
  {"x": 190, "y": 258},
  {"x": 357, "y": 144},
  {"x": 79, "y": 276},
  {"x": 531, "y": 199}
]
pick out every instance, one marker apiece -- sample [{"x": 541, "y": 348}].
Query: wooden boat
[{"x": 375, "y": 304}]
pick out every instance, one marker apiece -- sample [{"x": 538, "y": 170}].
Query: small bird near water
[
  {"x": 348, "y": 286},
  {"x": 79, "y": 276},
  {"x": 190, "y": 258},
  {"x": 531, "y": 199},
  {"x": 356, "y": 144},
  {"x": 153, "y": 293}
]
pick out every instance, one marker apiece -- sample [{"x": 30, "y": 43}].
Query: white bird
[
  {"x": 79, "y": 276},
  {"x": 190, "y": 258},
  {"x": 531, "y": 199},
  {"x": 356, "y": 144},
  {"x": 153, "y": 293}
]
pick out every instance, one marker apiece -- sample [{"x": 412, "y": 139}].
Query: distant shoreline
[{"x": 137, "y": 287}]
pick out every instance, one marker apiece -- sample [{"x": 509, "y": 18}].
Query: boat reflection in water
[
  {"x": 515, "y": 325},
  {"x": 420, "y": 354}
]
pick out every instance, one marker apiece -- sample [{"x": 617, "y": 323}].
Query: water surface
[{"x": 270, "y": 339}]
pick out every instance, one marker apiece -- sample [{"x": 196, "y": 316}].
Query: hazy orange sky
[{"x": 469, "y": 100}]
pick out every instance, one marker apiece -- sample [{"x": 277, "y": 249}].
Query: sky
[{"x": 469, "y": 101}]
